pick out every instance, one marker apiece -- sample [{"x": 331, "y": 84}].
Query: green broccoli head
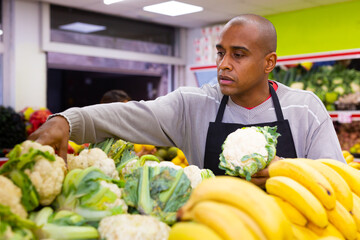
[{"x": 248, "y": 150}]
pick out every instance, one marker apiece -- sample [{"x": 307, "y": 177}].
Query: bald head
[{"x": 266, "y": 30}]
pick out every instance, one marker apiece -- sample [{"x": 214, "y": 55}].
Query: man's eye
[
  {"x": 220, "y": 54},
  {"x": 238, "y": 55}
]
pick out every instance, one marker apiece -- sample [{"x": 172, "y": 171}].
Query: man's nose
[{"x": 225, "y": 63}]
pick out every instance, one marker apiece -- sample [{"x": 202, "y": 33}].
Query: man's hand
[
  {"x": 260, "y": 177},
  {"x": 54, "y": 132}
]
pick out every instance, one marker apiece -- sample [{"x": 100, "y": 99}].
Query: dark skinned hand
[
  {"x": 260, "y": 177},
  {"x": 55, "y": 133}
]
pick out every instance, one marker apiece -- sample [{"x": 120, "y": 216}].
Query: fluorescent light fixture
[
  {"x": 173, "y": 8},
  {"x": 82, "y": 27},
  {"x": 1, "y": 32},
  {"x": 108, "y": 2}
]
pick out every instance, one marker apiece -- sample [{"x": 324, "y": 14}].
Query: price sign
[{"x": 344, "y": 118}]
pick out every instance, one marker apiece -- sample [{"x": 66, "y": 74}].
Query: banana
[
  {"x": 356, "y": 211},
  {"x": 303, "y": 233},
  {"x": 343, "y": 221},
  {"x": 330, "y": 230},
  {"x": 249, "y": 222},
  {"x": 298, "y": 196},
  {"x": 307, "y": 176},
  {"x": 342, "y": 190},
  {"x": 221, "y": 219},
  {"x": 291, "y": 212},
  {"x": 192, "y": 231},
  {"x": 245, "y": 196},
  {"x": 349, "y": 174},
  {"x": 355, "y": 165}
]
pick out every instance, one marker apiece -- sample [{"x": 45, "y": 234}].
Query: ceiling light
[
  {"x": 108, "y": 2},
  {"x": 1, "y": 32},
  {"x": 82, "y": 27},
  {"x": 173, "y": 8}
]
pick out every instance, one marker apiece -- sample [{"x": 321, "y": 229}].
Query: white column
[{"x": 29, "y": 61}]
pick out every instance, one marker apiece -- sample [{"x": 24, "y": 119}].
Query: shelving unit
[{"x": 345, "y": 116}]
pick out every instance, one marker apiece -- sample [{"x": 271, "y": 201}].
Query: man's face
[{"x": 240, "y": 60}]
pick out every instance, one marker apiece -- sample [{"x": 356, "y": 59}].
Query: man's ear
[{"x": 270, "y": 62}]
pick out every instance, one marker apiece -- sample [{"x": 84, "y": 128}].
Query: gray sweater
[{"x": 181, "y": 119}]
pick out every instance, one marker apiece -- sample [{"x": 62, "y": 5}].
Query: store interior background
[{"x": 147, "y": 54}]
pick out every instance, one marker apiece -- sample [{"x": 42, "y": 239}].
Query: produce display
[
  {"x": 105, "y": 191},
  {"x": 349, "y": 136},
  {"x": 335, "y": 85}
]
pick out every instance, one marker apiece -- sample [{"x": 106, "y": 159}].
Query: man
[{"x": 185, "y": 118}]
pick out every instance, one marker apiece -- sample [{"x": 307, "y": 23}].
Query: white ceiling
[{"x": 215, "y": 11}]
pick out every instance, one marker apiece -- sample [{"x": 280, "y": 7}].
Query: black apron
[{"x": 218, "y": 131}]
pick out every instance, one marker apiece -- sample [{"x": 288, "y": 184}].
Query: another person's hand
[
  {"x": 260, "y": 177},
  {"x": 54, "y": 132}
]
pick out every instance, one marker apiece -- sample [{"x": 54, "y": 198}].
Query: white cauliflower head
[
  {"x": 118, "y": 191},
  {"x": 93, "y": 157},
  {"x": 133, "y": 227},
  {"x": 243, "y": 142},
  {"x": 194, "y": 174},
  {"x": 248, "y": 150},
  {"x": 10, "y": 195},
  {"x": 46, "y": 176}
]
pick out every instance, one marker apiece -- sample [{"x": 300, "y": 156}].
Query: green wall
[{"x": 320, "y": 29}]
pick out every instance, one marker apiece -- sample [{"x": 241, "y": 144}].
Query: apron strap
[
  {"x": 278, "y": 111},
  {"x": 221, "y": 111}
]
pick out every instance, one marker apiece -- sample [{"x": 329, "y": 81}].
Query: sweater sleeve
[
  {"x": 324, "y": 143},
  {"x": 158, "y": 122}
]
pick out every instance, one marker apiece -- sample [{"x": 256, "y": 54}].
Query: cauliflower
[
  {"x": 197, "y": 175},
  {"x": 93, "y": 157},
  {"x": 10, "y": 195},
  {"x": 248, "y": 150},
  {"x": 47, "y": 176},
  {"x": 90, "y": 193},
  {"x": 118, "y": 191},
  {"x": 34, "y": 165},
  {"x": 133, "y": 227}
]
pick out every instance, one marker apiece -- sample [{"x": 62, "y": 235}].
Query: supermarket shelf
[{"x": 345, "y": 116}]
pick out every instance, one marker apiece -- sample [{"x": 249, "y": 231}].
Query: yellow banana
[
  {"x": 245, "y": 196},
  {"x": 192, "y": 231},
  {"x": 349, "y": 174},
  {"x": 356, "y": 211},
  {"x": 330, "y": 230},
  {"x": 355, "y": 165},
  {"x": 341, "y": 188},
  {"x": 343, "y": 221},
  {"x": 291, "y": 212},
  {"x": 303, "y": 233},
  {"x": 249, "y": 222},
  {"x": 298, "y": 196},
  {"x": 329, "y": 238},
  {"x": 221, "y": 219},
  {"x": 307, "y": 176}
]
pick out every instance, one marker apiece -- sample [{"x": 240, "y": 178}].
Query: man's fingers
[{"x": 260, "y": 181}]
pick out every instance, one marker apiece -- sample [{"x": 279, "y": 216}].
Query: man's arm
[{"x": 54, "y": 132}]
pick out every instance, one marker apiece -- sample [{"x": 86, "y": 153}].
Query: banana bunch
[
  {"x": 319, "y": 197},
  {"x": 230, "y": 208},
  {"x": 350, "y": 160}
]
